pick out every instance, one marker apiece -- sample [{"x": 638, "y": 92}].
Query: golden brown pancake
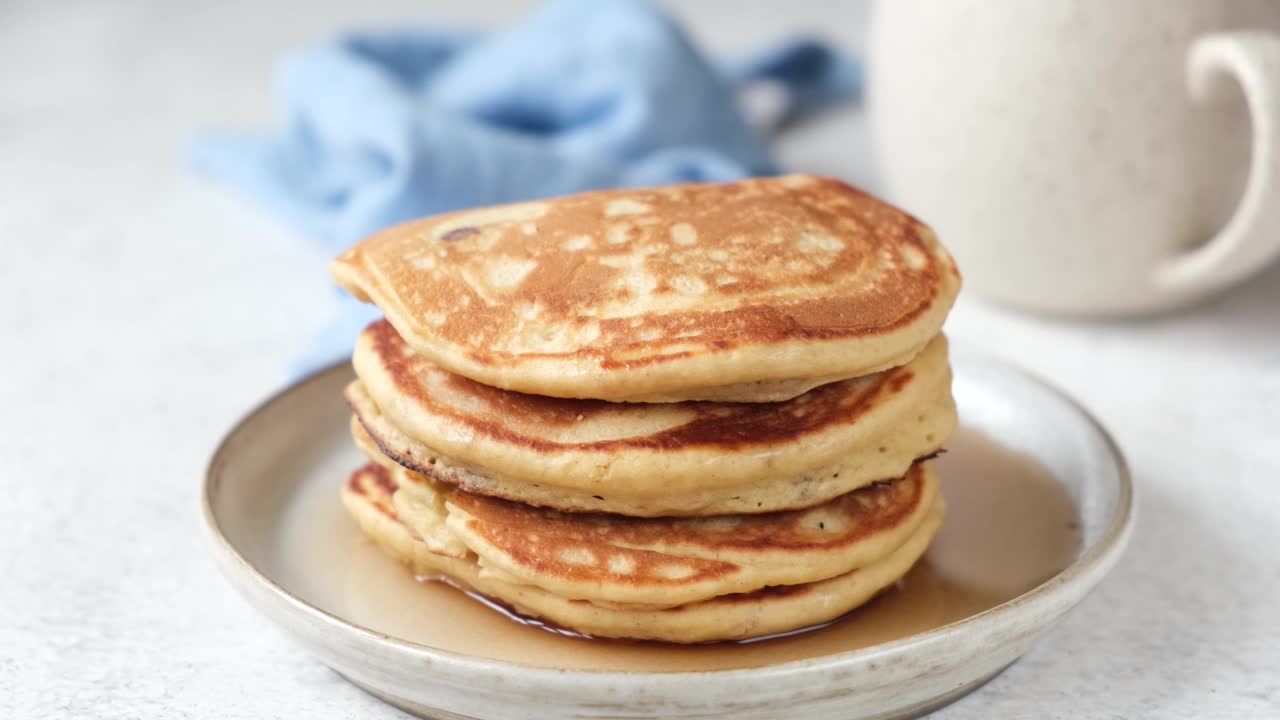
[
  {"x": 368, "y": 496},
  {"x": 692, "y": 458},
  {"x": 664, "y": 562},
  {"x": 754, "y": 290}
]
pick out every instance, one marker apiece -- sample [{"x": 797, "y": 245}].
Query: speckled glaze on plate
[{"x": 295, "y": 446}]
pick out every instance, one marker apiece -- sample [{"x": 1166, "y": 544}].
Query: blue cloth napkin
[{"x": 381, "y": 127}]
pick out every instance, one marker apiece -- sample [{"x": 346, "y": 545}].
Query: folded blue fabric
[{"x": 381, "y": 127}]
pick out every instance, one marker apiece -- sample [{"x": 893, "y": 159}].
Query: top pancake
[{"x": 754, "y": 290}]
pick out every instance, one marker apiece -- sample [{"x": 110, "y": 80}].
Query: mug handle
[{"x": 1251, "y": 238}]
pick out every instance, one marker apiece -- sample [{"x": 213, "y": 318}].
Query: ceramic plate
[{"x": 1040, "y": 506}]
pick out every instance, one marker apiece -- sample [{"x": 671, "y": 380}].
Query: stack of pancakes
[{"x": 688, "y": 413}]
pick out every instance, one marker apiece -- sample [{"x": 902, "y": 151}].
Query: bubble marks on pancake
[{"x": 662, "y": 293}]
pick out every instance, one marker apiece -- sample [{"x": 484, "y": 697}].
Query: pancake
[
  {"x": 368, "y": 497},
  {"x": 675, "y": 561},
  {"x": 756, "y": 290},
  {"x": 692, "y": 458},
  {"x": 664, "y": 561}
]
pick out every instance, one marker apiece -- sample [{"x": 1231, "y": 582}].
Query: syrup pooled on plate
[{"x": 1010, "y": 526}]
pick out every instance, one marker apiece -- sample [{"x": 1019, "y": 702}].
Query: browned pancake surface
[
  {"x": 530, "y": 296},
  {"x": 644, "y": 551},
  {"x": 373, "y": 482},
  {"x": 547, "y": 424}
]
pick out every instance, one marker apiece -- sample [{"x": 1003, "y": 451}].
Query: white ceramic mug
[{"x": 1081, "y": 156}]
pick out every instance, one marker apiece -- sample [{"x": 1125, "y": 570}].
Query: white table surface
[{"x": 142, "y": 310}]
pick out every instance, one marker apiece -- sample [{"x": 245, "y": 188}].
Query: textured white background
[{"x": 142, "y": 311}]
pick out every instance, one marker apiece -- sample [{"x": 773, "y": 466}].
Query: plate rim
[{"x": 1102, "y": 555}]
